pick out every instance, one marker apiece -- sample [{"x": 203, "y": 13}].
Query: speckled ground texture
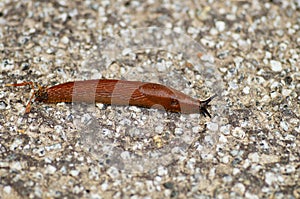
[{"x": 246, "y": 52}]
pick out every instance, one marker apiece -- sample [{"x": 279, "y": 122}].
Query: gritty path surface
[{"x": 250, "y": 57}]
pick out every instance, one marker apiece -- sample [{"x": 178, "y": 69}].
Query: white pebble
[
  {"x": 208, "y": 58},
  {"x": 246, "y": 164},
  {"x": 268, "y": 55},
  {"x": 159, "y": 129},
  {"x": 286, "y": 92},
  {"x": 246, "y": 90},
  {"x": 16, "y": 143},
  {"x": 274, "y": 95},
  {"x": 222, "y": 138},
  {"x": 220, "y": 25},
  {"x": 237, "y": 61},
  {"x": 270, "y": 178},
  {"x": 225, "y": 129},
  {"x": 284, "y": 125},
  {"x": 212, "y": 126},
  {"x": 16, "y": 166},
  {"x": 239, "y": 187},
  {"x": 195, "y": 129},
  {"x": 289, "y": 169},
  {"x": 104, "y": 186},
  {"x": 233, "y": 85},
  {"x": 162, "y": 171},
  {"x": 236, "y": 36},
  {"x": 178, "y": 131},
  {"x": 206, "y": 156},
  {"x": 135, "y": 109},
  {"x": 265, "y": 98},
  {"x": 113, "y": 172},
  {"x": 264, "y": 145},
  {"x": 65, "y": 40},
  {"x": 7, "y": 189},
  {"x": 225, "y": 159},
  {"x": 209, "y": 139},
  {"x": 50, "y": 169},
  {"x": 6, "y": 65},
  {"x": 275, "y": 66},
  {"x": 223, "y": 70},
  {"x": 95, "y": 196},
  {"x": 249, "y": 195},
  {"x": 254, "y": 157},
  {"x": 161, "y": 66},
  {"x": 125, "y": 155},
  {"x": 213, "y": 31},
  {"x": 74, "y": 172},
  {"x": 126, "y": 51},
  {"x": 235, "y": 171},
  {"x": 238, "y": 132},
  {"x": 207, "y": 42}
]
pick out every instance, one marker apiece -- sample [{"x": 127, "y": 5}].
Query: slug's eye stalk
[{"x": 204, "y": 104}]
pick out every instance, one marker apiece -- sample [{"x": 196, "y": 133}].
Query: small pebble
[
  {"x": 16, "y": 166},
  {"x": 113, "y": 172},
  {"x": 212, "y": 126},
  {"x": 220, "y": 25},
  {"x": 270, "y": 178},
  {"x": 240, "y": 188},
  {"x": 16, "y": 143},
  {"x": 274, "y": 95},
  {"x": 161, "y": 171},
  {"x": 235, "y": 171},
  {"x": 266, "y": 98},
  {"x": 254, "y": 157},
  {"x": 50, "y": 169},
  {"x": 161, "y": 66},
  {"x": 74, "y": 172},
  {"x": 275, "y": 66},
  {"x": 249, "y": 195},
  {"x": 3, "y": 105},
  {"x": 225, "y": 159},
  {"x": 284, "y": 125},
  {"x": 104, "y": 186},
  {"x": 225, "y": 129},
  {"x": 233, "y": 85},
  {"x": 208, "y": 58},
  {"x": 222, "y": 138},
  {"x": 126, "y": 51},
  {"x": 286, "y": 92},
  {"x": 7, "y": 189},
  {"x": 178, "y": 131},
  {"x": 246, "y": 90},
  {"x": 238, "y": 132},
  {"x": 65, "y": 40},
  {"x": 208, "y": 42}
]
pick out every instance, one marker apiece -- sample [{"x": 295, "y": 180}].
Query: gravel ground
[{"x": 246, "y": 52}]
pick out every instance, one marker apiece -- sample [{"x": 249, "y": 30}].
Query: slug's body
[{"x": 120, "y": 92}]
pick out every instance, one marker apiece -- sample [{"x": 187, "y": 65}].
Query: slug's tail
[{"x": 204, "y": 104}]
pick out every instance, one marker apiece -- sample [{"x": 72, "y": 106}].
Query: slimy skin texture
[{"x": 121, "y": 92}]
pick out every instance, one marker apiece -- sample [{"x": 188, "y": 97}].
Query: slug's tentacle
[{"x": 205, "y": 104}]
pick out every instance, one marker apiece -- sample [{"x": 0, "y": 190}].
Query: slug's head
[{"x": 204, "y": 105}]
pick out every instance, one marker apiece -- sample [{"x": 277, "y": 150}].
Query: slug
[{"x": 120, "y": 92}]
